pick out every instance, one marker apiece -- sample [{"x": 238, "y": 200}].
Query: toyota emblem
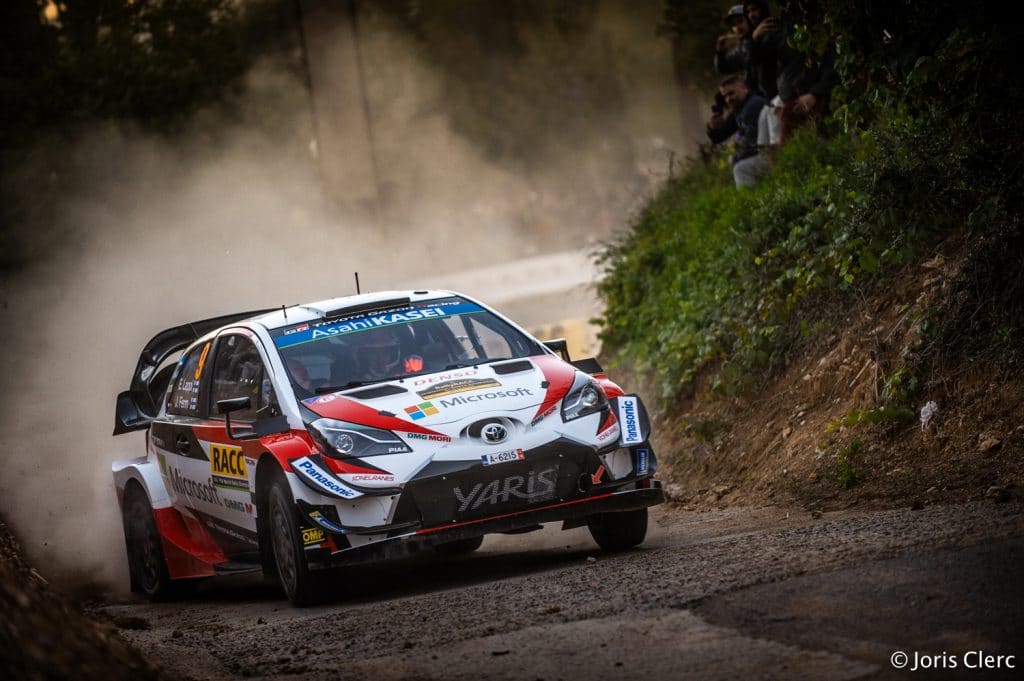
[{"x": 494, "y": 433}]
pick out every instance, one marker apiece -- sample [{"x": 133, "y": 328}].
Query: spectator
[
  {"x": 761, "y": 51},
  {"x": 740, "y": 123},
  {"x": 803, "y": 91},
  {"x": 732, "y": 49}
]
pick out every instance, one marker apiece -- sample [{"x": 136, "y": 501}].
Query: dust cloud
[{"x": 146, "y": 231}]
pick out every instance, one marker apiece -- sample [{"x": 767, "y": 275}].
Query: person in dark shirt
[
  {"x": 740, "y": 123},
  {"x": 761, "y": 52},
  {"x": 732, "y": 49},
  {"x": 803, "y": 89}
]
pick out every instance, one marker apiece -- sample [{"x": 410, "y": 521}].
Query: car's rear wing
[{"x": 138, "y": 406}]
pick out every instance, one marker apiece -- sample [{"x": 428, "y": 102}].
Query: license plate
[{"x": 502, "y": 457}]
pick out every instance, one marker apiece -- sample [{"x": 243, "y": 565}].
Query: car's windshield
[{"x": 420, "y": 338}]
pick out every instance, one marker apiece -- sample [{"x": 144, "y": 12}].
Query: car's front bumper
[{"x": 643, "y": 493}]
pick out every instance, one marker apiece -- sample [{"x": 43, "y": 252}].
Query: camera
[{"x": 719, "y": 106}]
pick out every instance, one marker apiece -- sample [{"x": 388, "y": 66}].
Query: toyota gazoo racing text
[{"x": 364, "y": 428}]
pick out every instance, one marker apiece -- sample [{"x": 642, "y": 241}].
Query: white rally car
[{"x": 363, "y": 428}]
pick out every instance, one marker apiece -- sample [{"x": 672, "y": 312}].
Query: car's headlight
[
  {"x": 584, "y": 397},
  {"x": 341, "y": 440}
]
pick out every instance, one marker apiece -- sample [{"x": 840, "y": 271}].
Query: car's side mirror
[
  {"x": 560, "y": 346},
  {"x": 260, "y": 428},
  {"x": 235, "y": 404}
]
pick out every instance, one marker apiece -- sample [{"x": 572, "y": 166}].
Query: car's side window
[
  {"x": 185, "y": 397},
  {"x": 238, "y": 371}
]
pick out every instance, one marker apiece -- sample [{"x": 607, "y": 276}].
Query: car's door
[
  {"x": 183, "y": 463},
  {"x": 239, "y": 370}
]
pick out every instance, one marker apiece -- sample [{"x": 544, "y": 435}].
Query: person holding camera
[{"x": 735, "y": 114}]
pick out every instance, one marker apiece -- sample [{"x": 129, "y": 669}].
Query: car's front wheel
[
  {"x": 300, "y": 585},
  {"x": 618, "y": 531}
]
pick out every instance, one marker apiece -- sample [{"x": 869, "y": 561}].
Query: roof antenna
[
  {"x": 284, "y": 311},
  {"x": 357, "y": 284}
]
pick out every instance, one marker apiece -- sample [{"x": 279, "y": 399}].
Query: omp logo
[
  {"x": 228, "y": 467},
  {"x": 421, "y": 410},
  {"x": 322, "y": 479},
  {"x": 457, "y": 386},
  {"x": 537, "y": 486},
  {"x": 496, "y": 395},
  {"x": 628, "y": 417},
  {"x": 196, "y": 490},
  {"x": 312, "y": 536}
]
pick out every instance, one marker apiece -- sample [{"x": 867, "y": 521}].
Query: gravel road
[{"x": 735, "y": 593}]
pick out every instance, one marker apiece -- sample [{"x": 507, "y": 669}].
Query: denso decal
[
  {"x": 354, "y": 324},
  {"x": 537, "y": 486},
  {"x": 322, "y": 479},
  {"x": 430, "y": 437},
  {"x": 195, "y": 490},
  {"x": 496, "y": 395},
  {"x": 502, "y": 457},
  {"x": 630, "y": 420},
  {"x": 459, "y": 385},
  {"x": 430, "y": 380},
  {"x": 312, "y": 536},
  {"x": 228, "y": 467}
]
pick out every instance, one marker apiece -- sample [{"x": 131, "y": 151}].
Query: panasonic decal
[
  {"x": 629, "y": 418},
  {"x": 322, "y": 480}
]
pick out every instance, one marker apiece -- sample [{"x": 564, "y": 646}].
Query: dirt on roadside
[
  {"x": 841, "y": 425},
  {"x": 45, "y": 635}
]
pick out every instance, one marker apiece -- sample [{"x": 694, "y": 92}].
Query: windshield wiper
[{"x": 335, "y": 388}]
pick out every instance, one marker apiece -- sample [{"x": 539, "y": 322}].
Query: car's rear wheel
[
  {"x": 300, "y": 585},
  {"x": 618, "y": 531},
  {"x": 460, "y": 547},
  {"x": 146, "y": 564}
]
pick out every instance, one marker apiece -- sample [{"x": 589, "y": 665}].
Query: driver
[{"x": 379, "y": 355}]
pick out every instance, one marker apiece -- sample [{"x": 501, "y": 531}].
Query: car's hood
[{"x": 528, "y": 389}]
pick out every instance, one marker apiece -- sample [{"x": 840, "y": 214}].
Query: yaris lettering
[
  {"x": 539, "y": 486},
  {"x": 496, "y": 395}
]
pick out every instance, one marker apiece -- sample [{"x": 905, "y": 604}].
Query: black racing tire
[
  {"x": 146, "y": 563},
  {"x": 618, "y": 531},
  {"x": 301, "y": 586},
  {"x": 460, "y": 547}
]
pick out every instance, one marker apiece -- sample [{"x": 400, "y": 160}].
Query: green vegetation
[
  {"x": 883, "y": 414},
  {"x": 725, "y": 281},
  {"x": 846, "y": 471}
]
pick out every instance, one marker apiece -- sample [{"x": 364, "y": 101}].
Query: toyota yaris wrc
[{"x": 364, "y": 428}]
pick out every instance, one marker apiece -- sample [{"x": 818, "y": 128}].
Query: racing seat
[{"x": 435, "y": 357}]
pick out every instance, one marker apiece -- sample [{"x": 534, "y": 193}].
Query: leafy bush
[{"x": 711, "y": 278}]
